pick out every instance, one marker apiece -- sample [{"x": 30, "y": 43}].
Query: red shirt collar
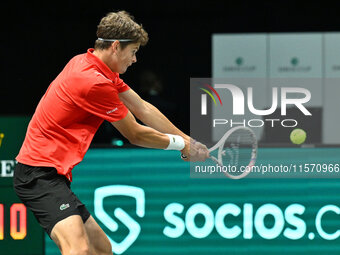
[{"x": 100, "y": 64}]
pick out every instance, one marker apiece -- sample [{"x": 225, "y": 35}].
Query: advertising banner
[
  {"x": 20, "y": 232},
  {"x": 146, "y": 203}
]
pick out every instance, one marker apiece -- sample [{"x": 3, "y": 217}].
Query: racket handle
[{"x": 183, "y": 156}]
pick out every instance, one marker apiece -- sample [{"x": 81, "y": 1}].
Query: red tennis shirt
[{"x": 75, "y": 104}]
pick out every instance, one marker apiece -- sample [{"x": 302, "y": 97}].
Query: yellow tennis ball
[{"x": 298, "y": 136}]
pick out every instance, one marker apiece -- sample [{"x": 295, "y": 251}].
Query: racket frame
[{"x": 220, "y": 145}]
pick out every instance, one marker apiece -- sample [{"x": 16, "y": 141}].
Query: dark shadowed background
[{"x": 38, "y": 38}]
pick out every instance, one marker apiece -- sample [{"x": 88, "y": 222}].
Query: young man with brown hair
[{"x": 87, "y": 92}]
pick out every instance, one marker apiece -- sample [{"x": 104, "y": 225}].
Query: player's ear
[{"x": 115, "y": 46}]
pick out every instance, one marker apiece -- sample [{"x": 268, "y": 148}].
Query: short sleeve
[
  {"x": 103, "y": 101},
  {"x": 121, "y": 85}
]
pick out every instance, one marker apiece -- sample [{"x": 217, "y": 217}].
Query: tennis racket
[{"x": 237, "y": 150}]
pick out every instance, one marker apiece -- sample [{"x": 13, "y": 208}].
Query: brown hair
[{"x": 120, "y": 25}]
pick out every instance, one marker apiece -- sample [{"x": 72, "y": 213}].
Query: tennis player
[{"x": 87, "y": 92}]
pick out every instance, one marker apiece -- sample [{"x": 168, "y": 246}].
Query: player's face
[{"x": 126, "y": 57}]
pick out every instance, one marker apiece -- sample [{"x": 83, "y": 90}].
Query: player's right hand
[{"x": 195, "y": 151}]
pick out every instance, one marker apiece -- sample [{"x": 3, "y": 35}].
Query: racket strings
[{"x": 237, "y": 149}]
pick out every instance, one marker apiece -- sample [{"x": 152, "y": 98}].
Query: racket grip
[{"x": 183, "y": 156}]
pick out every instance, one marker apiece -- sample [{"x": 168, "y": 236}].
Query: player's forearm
[
  {"x": 155, "y": 119},
  {"x": 149, "y": 138}
]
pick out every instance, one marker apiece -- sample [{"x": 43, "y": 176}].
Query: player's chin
[{"x": 123, "y": 71}]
